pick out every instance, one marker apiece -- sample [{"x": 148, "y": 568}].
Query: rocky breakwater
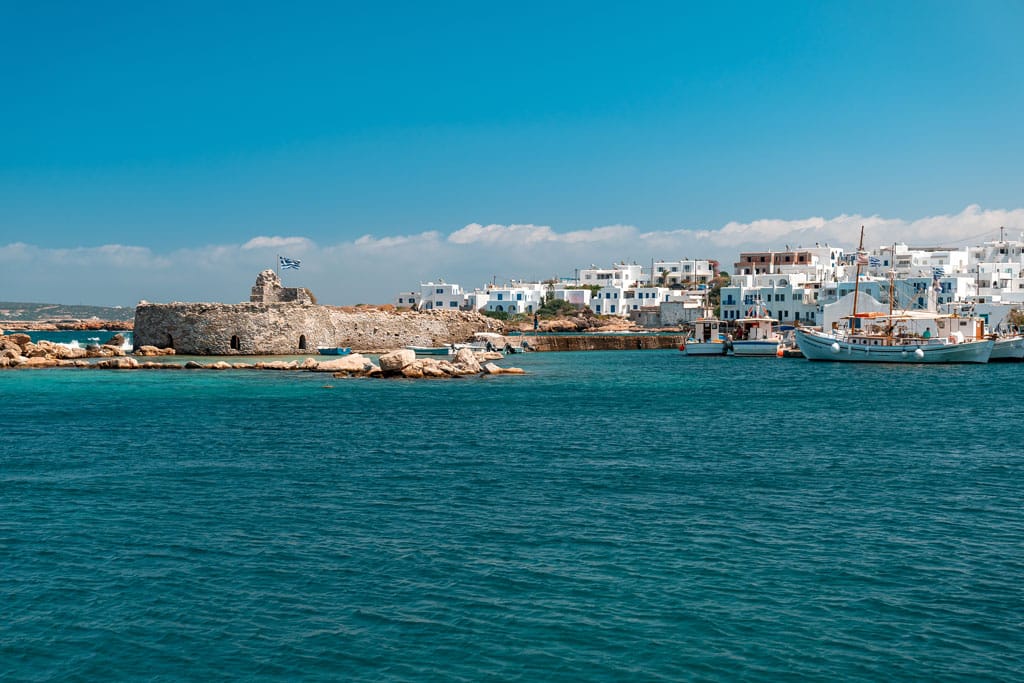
[
  {"x": 297, "y": 328},
  {"x": 18, "y": 350}
]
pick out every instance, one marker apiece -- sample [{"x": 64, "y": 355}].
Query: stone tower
[{"x": 268, "y": 290}]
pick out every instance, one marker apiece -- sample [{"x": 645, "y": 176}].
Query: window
[
  {"x": 440, "y": 291},
  {"x": 235, "y": 343}
]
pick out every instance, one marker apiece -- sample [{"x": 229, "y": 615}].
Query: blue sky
[{"x": 169, "y": 152}]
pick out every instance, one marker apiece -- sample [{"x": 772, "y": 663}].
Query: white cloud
[
  {"x": 529, "y": 235},
  {"x": 277, "y": 243},
  {"x": 372, "y": 269},
  {"x": 369, "y": 242}
]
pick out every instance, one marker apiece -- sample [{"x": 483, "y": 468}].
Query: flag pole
[{"x": 278, "y": 266}]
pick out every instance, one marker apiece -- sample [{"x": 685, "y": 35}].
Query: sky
[{"x": 171, "y": 151}]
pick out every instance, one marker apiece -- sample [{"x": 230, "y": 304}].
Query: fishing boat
[
  {"x": 755, "y": 334},
  {"x": 432, "y": 350},
  {"x": 1007, "y": 348},
  {"x": 333, "y": 350},
  {"x": 707, "y": 338},
  {"x": 879, "y": 337}
]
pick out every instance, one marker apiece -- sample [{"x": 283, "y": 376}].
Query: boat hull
[
  {"x": 755, "y": 347},
  {"x": 695, "y": 348},
  {"x": 333, "y": 350},
  {"x": 1008, "y": 349},
  {"x": 825, "y": 347},
  {"x": 431, "y": 350}
]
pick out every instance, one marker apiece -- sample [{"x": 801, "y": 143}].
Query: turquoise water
[{"x": 610, "y": 516}]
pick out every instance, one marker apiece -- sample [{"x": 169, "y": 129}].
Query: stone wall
[{"x": 294, "y": 328}]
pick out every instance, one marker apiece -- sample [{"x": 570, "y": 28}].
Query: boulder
[
  {"x": 121, "y": 363},
  {"x": 348, "y": 364},
  {"x": 116, "y": 340},
  {"x": 412, "y": 371},
  {"x": 192, "y": 365},
  {"x": 492, "y": 369},
  {"x": 466, "y": 359},
  {"x": 393, "y": 362},
  {"x": 20, "y": 339},
  {"x": 153, "y": 351},
  {"x": 39, "y": 362},
  {"x": 220, "y": 365}
]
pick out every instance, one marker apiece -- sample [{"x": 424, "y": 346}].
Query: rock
[
  {"x": 116, "y": 340},
  {"x": 153, "y": 351},
  {"x": 220, "y": 365},
  {"x": 308, "y": 364},
  {"x": 20, "y": 339},
  {"x": 122, "y": 363},
  {"x": 492, "y": 369},
  {"x": 393, "y": 362},
  {"x": 5, "y": 362},
  {"x": 465, "y": 358},
  {"x": 354, "y": 363},
  {"x": 433, "y": 368},
  {"x": 412, "y": 371},
  {"x": 39, "y": 362},
  {"x": 192, "y": 365}
]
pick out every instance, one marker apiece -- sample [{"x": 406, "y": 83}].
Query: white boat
[
  {"x": 890, "y": 337},
  {"x": 1008, "y": 348},
  {"x": 707, "y": 339},
  {"x": 755, "y": 334},
  {"x": 866, "y": 347},
  {"x": 432, "y": 350}
]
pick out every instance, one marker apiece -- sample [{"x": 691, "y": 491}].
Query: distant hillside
[{"x": 14, "y": 310}]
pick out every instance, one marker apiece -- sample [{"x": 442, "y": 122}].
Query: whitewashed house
[{"x": 441, "y": 295}]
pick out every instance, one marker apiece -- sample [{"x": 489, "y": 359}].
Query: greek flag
[
  {"x": 938, "y": 271},
  {"x": 287, "y": 263},
  {"x": 874, "y": 261}
]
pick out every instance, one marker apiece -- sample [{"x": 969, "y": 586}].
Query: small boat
[
  {"x": 432, "y": 350},
  {"x": 755, "y": 334},
  {"x": 1007, "y": 348},
  {"x": 706, "y": 340},
  {"x": 333, "y": 350}
]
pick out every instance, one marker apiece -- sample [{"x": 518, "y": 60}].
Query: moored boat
[
  {"x": 432, "y": 350},
  {"x": 333, "y": 350},
  {"x": 755, "y": 335},
  {"x": 874, "y": 348},
  {"x": 1007, "y": 348},
  {"x": 707, "y": 339},
  {"x": 891, "y": 338}
]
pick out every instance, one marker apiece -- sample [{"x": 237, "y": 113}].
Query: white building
[
  {"x": 691, "y": 271},
  {"x": 524, "y": 297},
  {"x": 619, "y": 275},
  {"x": 440, "y": 295}
]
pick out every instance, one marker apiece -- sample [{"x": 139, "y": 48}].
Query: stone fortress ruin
[{"x": 287, "y": 321}]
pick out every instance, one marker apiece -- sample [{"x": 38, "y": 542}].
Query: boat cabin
[
  {"x": 707, "y": 330},
  {"x": 755, "y": 329}
]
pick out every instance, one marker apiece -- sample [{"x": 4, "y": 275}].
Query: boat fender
[
  {"x": 918, "y": 353},
  {"x": 682, "y": 347},
  {"x": 835, "y": 347}
]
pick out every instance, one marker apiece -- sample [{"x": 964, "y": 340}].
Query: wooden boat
[
  {"x": 755, "y": 334},
  {"x": 889, "y": 338},
  {"x": 432, "y": 350},
  {"x": 707, "y": 338},
  {"x": 333, "y": 350}
]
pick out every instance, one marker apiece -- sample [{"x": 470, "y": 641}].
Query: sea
[{"x": 608, "y": 516}]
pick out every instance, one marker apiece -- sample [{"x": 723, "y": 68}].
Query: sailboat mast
[{"x": 856, "y": 283}]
